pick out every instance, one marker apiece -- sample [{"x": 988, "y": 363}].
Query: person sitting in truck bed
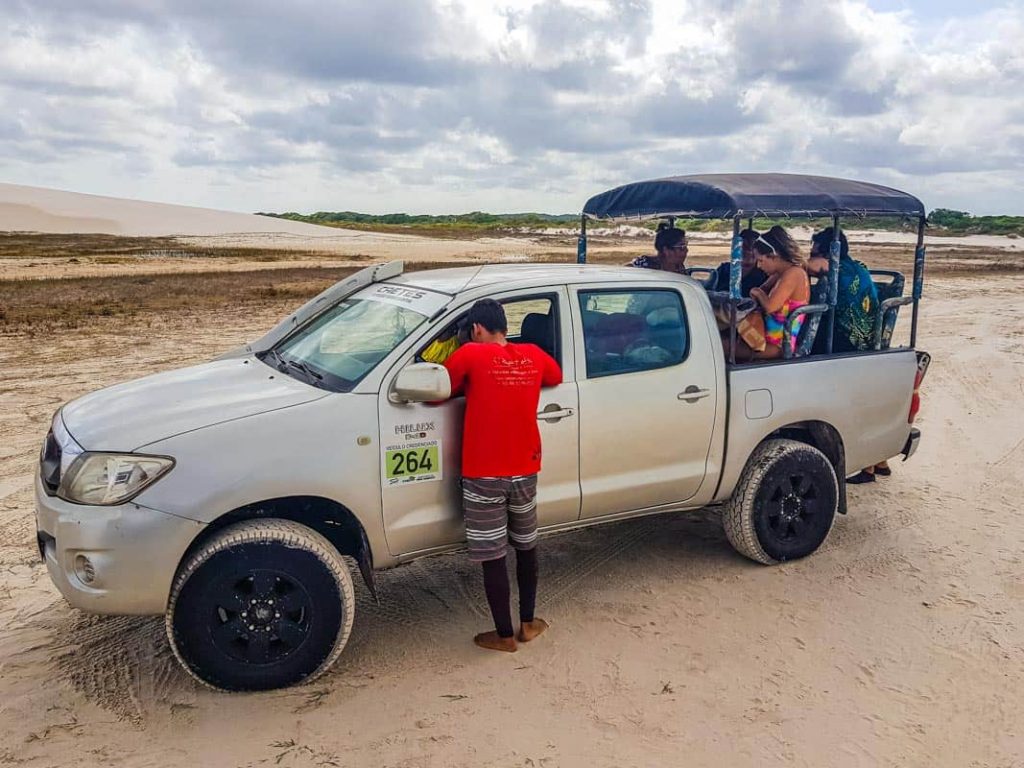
[
  {"x": 856, "y": 301},
  {"x": 671, "y": 249},
  {"x": 856, "y": 307},
  {"x": 753, "y": 276},
  {"x": 786, "y": 289}
]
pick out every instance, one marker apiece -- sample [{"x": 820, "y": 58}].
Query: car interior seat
[
  {"x": 666, "y": 329},
  {"x": 614, "y": 332},
  {"x": 890, "y": 299},
  {"x": 812, "y": 314},
  {"x": 706, "y": 276},
  {"x": 539, "y": 329}
]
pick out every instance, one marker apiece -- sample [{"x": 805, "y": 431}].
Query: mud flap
[
  {"x": 366, "y": 565},
  {"x": 829, "y": 443}
]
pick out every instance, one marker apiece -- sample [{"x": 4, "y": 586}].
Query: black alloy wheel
[
  {"x": 260, "y": 616},
  {"x": 264, "y": 604},
  {"x": 795, "y": 505},
  {"x": 784, "y": 503}
]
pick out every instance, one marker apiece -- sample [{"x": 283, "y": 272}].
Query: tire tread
[
  {"x": 287, "y": 533},
  {"x": 738, "y": 512}
]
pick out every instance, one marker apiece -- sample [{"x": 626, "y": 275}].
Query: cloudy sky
[{"x": 443, "y": 106}]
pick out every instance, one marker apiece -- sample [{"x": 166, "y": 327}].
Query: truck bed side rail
[{"x": 805, "y": 339}]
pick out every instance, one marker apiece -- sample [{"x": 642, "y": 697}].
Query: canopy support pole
[
  {"x": 581, "y": 243},
  {"x": 735, "y": 280},
  {"x": 919, "y": 254},
  {"x": 833, "y": 281}
]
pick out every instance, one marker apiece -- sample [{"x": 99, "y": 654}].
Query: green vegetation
[
  {"x": 962, "y": 223},
  {"x": 941, "y": 221},
  {"x": 460, "y": 224}
]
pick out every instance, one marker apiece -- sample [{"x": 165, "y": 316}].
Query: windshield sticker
[
  {"x": 412, "y": 459},
  {"x": 417, "y": 299}
]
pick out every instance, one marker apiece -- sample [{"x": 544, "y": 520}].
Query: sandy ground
[
  {"x": 899, "y": 643},
  {"x": 322, "y": 252},
  {"x": 38, "y": 209}
]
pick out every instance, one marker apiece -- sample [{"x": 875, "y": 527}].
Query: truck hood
[{"x": 128, "y": 416}]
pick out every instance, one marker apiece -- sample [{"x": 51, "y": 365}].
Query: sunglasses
[{"x": 680, "y": 247}]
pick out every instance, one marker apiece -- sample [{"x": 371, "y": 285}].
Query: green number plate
[{"x": 414, "y": 463}]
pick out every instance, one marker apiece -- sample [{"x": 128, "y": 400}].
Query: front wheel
[
  {"x": 264, "y": 604},
  {"x": 784, "y": 504}
]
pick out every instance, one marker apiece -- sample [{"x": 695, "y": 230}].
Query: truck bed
[{"x": 864, "y": 396}]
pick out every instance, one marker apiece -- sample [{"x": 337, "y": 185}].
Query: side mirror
[{"x": 421, "y": 383}]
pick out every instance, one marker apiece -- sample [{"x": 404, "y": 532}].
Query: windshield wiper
[
  {"x": 273, "y": 352},
  {"x": 305, "y": 369},
  {"x": 281, "y": 363}
]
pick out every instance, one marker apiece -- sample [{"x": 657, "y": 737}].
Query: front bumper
[
  {"x": 118, "y": 560},
  {"x": 912, "y": 442}
]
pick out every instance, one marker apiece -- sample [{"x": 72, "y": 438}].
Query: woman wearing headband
[{"x": 786, "y": 289}]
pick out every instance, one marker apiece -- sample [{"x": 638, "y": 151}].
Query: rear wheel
[
  {"x": 784, "y": 504},
  {"x": 264, "y": 604}
]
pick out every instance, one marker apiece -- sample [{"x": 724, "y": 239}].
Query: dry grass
[
  {"x": 115, "y": 249},
  {"x": 36, "y": 306},
  {"x": 45, "y": 304}
]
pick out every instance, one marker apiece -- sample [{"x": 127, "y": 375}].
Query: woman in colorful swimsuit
[{"x": 786, "y": 289}]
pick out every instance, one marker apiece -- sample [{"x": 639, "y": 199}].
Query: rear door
[
  {"x": 421, "y": 498},
  {"x": 647, "y": 394}
]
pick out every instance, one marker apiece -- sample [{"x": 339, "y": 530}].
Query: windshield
[{"x": 343, "y": 344}]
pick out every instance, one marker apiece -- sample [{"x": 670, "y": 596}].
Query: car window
[
  {"x": 531, "y": 320},
  {"x": 344, "y": 343},
  {"x": 630, "y": 331}
]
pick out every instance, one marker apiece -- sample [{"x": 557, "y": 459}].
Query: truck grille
[{"x": 49, "y": 464}]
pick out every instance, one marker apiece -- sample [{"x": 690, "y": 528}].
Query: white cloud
[{"x": 454, "y": 104}]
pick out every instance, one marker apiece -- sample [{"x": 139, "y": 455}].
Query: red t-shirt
[{"x": 502, "y": 388}]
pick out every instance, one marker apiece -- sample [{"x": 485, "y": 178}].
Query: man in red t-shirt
[{"x": 500, "y": 462}]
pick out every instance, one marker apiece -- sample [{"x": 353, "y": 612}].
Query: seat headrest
[{"x": 538, "y": 329}]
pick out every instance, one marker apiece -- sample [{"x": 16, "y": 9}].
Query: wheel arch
[
  {"x": 827, "y": 439},
  {"x": 331, "y": 519}
]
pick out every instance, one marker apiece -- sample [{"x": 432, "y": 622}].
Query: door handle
[
  {"x": 693, "y": 393},
  {"x": 553, "y": 413}
]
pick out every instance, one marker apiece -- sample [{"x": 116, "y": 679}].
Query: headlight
[
  {"x": 69, "y": 449},
  {"x": 111, "y": 478}
]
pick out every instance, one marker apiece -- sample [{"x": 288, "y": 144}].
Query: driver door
[{"x": 421, "y": 444}]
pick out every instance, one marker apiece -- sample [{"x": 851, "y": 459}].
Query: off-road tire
[
  {"x": 280, "y": 553},
  {"x": 755, "y": 519}
]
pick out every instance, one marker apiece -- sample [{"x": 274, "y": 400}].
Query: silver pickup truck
[{"x": 228, "y": 495}]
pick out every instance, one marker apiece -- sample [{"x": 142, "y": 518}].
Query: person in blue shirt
[
  {"x": 856, "y": 302},
  {"x": 856, "y": 309}
]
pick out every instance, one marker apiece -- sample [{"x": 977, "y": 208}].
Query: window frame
[
  {"x": 590, "y": 291},
  {"x": 551, "y": 296}
]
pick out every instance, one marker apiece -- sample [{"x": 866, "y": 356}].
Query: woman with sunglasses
[
  {"x": 786, "y": 288},
  {"x": 671, "y": 247}
]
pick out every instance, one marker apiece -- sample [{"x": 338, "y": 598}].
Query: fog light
[{"x": 84, "y": 569}]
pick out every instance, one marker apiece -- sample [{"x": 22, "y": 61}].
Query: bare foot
[
  {"x": 531, "y": 629},
  {"x": 492, "y": 641}
]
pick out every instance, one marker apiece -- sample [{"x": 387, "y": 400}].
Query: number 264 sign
[{"x": 417, "y": 463}]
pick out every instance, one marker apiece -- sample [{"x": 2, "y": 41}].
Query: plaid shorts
[{"x": 499, "y": 510}]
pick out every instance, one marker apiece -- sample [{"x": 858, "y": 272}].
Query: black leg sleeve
[
  {"x": 526, "y": 575},
  {"x": 498, "y": 595}
]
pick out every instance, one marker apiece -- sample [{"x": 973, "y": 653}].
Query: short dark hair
[
  {"x": 668, "y": 236},
  {"x": 823, "y": 240},
  {"x": 490, "y": 314}
]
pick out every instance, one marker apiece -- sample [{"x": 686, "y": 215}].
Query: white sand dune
[{"x": 36, "y": 209}]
